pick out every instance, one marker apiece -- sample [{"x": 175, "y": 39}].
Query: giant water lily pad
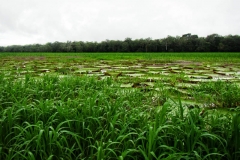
[
  {"x": 154, "y": 67},
  {"x": 129, "y": 71},
  {"x": 103, "y": 66},
  {"x": 136, "y": 66},
  {"x": 153, "y": 72},
  {"x": 135, "y": 75},
  {"x": 120, "y": 67},
  {"x": 127, "y": 85}
]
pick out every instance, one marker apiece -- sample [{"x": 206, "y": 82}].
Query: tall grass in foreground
[
  {"x": 85, "y": 118},
  {"x": 222, "y": 94}
]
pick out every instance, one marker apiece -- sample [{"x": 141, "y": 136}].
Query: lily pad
[{"x": 135, "y": 75}]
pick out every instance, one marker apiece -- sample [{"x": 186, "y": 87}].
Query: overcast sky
[{"x": 42, "y": 21}]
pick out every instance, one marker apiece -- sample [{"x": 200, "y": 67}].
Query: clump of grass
[
  {"x": 86, "y": 118},
  {"x": 218, "y": 94}
]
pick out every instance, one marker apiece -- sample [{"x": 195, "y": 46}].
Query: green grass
[
  {"x": 218, "y": 94},
  {"x": 227, "y": 57},
  {"x": 49, "y": 111},
  {"x": 85, "y": 118}
]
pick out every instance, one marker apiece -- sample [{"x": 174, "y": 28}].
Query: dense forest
[{"x": 185, "y": 43}]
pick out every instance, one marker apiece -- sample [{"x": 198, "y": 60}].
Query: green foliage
[
  {"x": 85, "y": 118},
  {"x": 189, "y": 43},
  {"x": 218, "y": 94}
]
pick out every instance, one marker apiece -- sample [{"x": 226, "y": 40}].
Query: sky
[{"x": 41, "y": 21}]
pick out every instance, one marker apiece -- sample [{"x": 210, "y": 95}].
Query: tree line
[{"x": 185, "y": 43}]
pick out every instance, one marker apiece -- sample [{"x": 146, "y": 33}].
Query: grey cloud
[{"x": 34, "y": 21}]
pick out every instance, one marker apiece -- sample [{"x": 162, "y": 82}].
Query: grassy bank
[
  {"x": 85, "y": 118},
  {"x": 167, "y": 56}
]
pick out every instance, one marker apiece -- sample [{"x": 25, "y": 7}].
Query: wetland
[{"x": 119, "y": 105}]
